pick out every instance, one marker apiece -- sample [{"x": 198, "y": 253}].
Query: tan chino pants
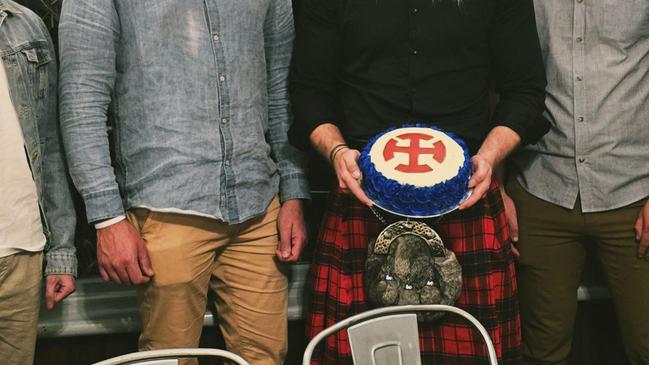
[
  {"x": 190, "y": 254},
  {"x": 20, "y": 289}
]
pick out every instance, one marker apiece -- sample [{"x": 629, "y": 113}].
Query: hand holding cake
[
  {"x": 500, "y": 142},
  {"x": 330, "y": 143}
]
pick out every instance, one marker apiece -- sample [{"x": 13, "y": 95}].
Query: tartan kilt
[{"x": 479, "y": 237}]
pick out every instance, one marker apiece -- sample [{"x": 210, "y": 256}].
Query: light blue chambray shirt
[
  {"x": 597, "y": 64},
  {"x": 197, "y": 91}
]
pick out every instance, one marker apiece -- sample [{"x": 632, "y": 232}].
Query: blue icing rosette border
[{"x": 407, "y": 199}]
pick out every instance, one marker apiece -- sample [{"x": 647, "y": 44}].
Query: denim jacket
[
  {"x": 30, "y": 63},
  {"x": 197, "y": 94}
]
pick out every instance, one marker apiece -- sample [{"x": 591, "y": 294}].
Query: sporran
[{"x": 408, "y": 264}]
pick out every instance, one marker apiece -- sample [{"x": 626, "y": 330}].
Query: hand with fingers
[
  {"x": 345, "y": 163},
  {"x": 57, "y": 288},
  {"x": 642, "y": 231},
  {"x": 480, "y": 180},
  {"x": 122, "y": 255},
  {"x": 292, "y": 231},
  {"x": 512, "y": 219}
]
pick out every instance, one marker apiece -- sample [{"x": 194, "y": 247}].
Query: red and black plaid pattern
[{"x": 480, "y": 239}]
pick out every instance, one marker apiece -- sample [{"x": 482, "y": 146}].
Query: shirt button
[
  {"x": 224, "y": 120},
  {"x": 580, "y": 119},
  {"x": 580, "y": 1},
  {"x": 579, "y": 78},
  {"x": 415, "y": 52},
  {"x": 415, "y": 10},
  {"x": 221, "y": 78},
  {"x": 216, "y": 37},
  {"x": 580, "y": 39},
  {"x": 227, "y": 162}
]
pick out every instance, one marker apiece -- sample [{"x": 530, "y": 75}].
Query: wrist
[
  {"x": 335, "y": 151},
  {"x": 109, "y": 222},
  {"x": 294, "y": 202}
]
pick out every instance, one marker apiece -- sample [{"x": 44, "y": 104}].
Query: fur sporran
[{"x": 408, "y": 264}]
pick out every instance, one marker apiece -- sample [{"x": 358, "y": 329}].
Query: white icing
[{"x": 441, "y": 172}]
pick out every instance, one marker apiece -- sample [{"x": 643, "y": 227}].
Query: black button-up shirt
[{"x": 366, "y": 65}]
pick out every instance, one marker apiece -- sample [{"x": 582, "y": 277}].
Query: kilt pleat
[{"x": 480, "y": 239}]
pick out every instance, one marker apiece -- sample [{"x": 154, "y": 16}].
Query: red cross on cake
[{"x": 416, "y": 171}]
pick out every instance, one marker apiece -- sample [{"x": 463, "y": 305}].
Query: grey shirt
[{"x": 597, "y": 63}]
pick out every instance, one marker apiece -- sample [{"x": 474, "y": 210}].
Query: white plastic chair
[
  {"x": 170, "y": 357},
  {"x": 389, "y": 335}
]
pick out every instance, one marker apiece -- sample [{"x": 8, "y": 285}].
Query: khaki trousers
[
  {"x": 20, "y": 289},
  {"x": 552, "y": 243},
  {"x": 190, "y": 254}
]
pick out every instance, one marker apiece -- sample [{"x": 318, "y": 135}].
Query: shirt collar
[{"x": 9, "y": 7}]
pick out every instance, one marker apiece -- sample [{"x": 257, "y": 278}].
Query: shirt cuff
[
  {"x": 103, "y": 205},
  {"x": 109, "y": 222},
  {"x": 61, "y": 262},
  {"x": 294, "y": 186}
]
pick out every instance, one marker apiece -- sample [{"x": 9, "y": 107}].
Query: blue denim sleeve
[
  {"x": 88, "y": 34},
  {"x": 278, "y": 37},
  {"x": 60, "y": 217}
]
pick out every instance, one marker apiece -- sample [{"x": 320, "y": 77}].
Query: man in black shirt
[{"x": 361, "y": 66}]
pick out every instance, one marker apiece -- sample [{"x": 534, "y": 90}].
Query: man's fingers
[
  {"x": 639, "y": 224},
  {"x": 512, "y": 218},
  {"x": 284, "y": 249},
  {"x": 297, "y": 244},
  {"x": 121, "y": 273},
  {"x": 479, "y": 173},
  {"x": 103, "y": 274},
  {"x": 113, "y": 276},
  {"x": 643, "y": 247},
  {"x": 296, "y": 251},
  {"x": 62, "y": 294},
  {"x": 50, "y": 288},
  {"x": 515, "y": 251},
  {"x": 513, "y": 229},
  {"x": 355, "y": 188},
  {"x": 135, "y": 275},
  {"x": 469, "y": 202},
  {"x": 478, "y": 192},
  {"x": 144, "y": 261},
  {"x": 351, "y": 165}
]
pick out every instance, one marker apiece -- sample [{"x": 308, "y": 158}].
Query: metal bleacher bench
[{"x": 98, "y": 307}]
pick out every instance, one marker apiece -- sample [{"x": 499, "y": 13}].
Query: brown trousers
[
  {"x": 190, "y": 254},
  {"x": 20, "y": 289},
  {"x": 552, "y": 244}
]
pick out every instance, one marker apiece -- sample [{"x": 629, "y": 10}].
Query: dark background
[{"x": 596, "y": 342}]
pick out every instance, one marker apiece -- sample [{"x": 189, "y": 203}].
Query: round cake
[{"x": 416, "y": 171}]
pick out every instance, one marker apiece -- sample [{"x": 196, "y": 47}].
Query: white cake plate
[{"x": 466, "y": 196}]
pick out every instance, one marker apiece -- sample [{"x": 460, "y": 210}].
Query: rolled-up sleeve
[
  {"x": 88, "y": 36},
  {"x": 314, "y": 70},
  {"x": 519, "y": 71}
]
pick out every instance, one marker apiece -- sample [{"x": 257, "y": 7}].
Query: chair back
[
  {"x": 170, "y": 357},
  {"x": 392, "y": 349},
  {"x": 389, "y": 340}
]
